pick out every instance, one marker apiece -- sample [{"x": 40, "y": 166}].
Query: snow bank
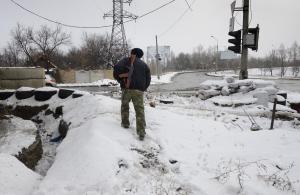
[
  {"x": 46, "y": 89},
  {"x": 101, "y": 82},
  {"x": 222, "y": 83},
  {"x": 165, "y": 78},
  {"x": 25, "y": 89},
  {"x": 16, "y": 134},
  {"x": 187, "y": 146},
  {"x": 293, "y": 98},
  {"x": 15, "y": 178},
  {"x": 100, "y": 157},
  {"x": 260, "y": 72},
  {"x": 239, "y": 92},
  {"x": 235, "y": 100}
]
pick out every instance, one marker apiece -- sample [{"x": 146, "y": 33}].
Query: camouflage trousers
[{"x": 137, "y": 98}]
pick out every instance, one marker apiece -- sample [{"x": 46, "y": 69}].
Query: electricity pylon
[{"x": 118, "y": 45}]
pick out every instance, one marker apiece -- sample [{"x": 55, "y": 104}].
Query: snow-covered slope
[
  {"x": 186, "y": 151},
  {"x": 100, "y": 157},
  {"x": 15, "y": 178}
]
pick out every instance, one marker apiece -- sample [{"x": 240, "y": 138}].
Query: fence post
[{"x": 273, "y": 113}]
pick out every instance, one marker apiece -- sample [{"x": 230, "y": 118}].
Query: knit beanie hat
[{"x": 138, "y": 52}]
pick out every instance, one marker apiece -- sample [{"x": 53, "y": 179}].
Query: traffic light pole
[{"x": 244, "y": 58}]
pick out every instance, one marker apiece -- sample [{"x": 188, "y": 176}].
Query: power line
[
  {"x": 56, "y": 22},
  {"x": 150, "y": 12},
  {"x": 188, "y": 5},
  {"x": 75, "y": 26},
  {"x": 178, "y": 20}
]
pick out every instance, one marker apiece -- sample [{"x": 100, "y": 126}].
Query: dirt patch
[
  {"x": 27, "y": 112},
  {"x": 31, "y": 155}
]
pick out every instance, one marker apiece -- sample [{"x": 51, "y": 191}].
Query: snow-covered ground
[
  {"x": 16, "y": 134},
  {"x": 260, "y": 72},
  {"x": 191, "y": 147},
  {"x": 165, "y": 78},
  {"x": 15, "y": 178},
  {"x": 102, "y": 82}
]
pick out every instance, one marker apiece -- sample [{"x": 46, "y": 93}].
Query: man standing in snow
[{"x": 134, "y": 76}]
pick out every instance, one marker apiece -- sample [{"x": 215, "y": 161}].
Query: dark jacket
[{"x": 140, "y": 78}]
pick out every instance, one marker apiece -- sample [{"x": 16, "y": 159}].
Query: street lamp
[{"x": 217, "y": 51}]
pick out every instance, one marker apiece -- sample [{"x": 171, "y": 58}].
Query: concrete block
[
  {"x": 16, "y": 77},
  {"x": 15, "y": 73},
  {"x": 15, "y": 84}
]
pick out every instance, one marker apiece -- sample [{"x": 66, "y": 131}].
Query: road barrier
[
  {"x": 15, "y": 77},
  {"x": 83, "y": 76}
]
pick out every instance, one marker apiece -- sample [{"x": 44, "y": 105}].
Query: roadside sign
[{"x": 233, "y": 7}]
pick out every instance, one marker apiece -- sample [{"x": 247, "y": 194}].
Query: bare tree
[
  {"x": 294, "y": 53},
  {"x": 1, "y": 60},
  {"x": 197, "y": 58},
  {"x": 47, "y": 41},
  {"x": 94, "y": 51},
  {"x": 270, "y": 62},
  {"x": 75, "y": 58},
  {"x": 11, "y": 56},
  {"x": 21, "y": 39},
  {"x": 183, "y": 62},
  {"x": 282, "y": 56},
  {"x": 41, "y": 44}
]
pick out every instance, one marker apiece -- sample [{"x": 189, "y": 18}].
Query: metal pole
[
  {"x": 157, "y": 61},
  {"x": 244, "y": 59},
  {"x": 217, "y": 56},
  {"x": 217, "y": 60}
]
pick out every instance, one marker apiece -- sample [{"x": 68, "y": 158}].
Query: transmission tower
[{"x": 118, "y": 45}]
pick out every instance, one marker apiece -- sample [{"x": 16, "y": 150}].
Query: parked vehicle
[{"x": 50, "y": 81}]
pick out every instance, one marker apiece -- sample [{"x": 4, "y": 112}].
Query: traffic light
[
  {"x": 252, "y": 38},
  {"x": 236, "y": 41}
]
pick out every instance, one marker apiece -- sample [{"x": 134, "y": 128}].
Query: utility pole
[
  {"x": 118, "y": 44},
  {"x": 244, "y": 59},
  {"x": 217, "y": 56},
  {"x": 157, "y": 57},
  {"x": 248, "y": 36}
]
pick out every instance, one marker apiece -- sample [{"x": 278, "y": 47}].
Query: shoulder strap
[{"x": 131, "y": 59}]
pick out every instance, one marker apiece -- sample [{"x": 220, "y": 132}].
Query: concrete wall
[
  {"x": 108, "y": 74},
  {"x": 82, "y": 76},
  {"x": 66, "y": 76},
  {"x": 15, "y": 77}
]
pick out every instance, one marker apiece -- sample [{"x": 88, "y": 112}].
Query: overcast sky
[{"x": 279, "y": 21}]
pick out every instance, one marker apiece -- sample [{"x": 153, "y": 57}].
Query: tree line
[
  {"x": 44, "y": 47},
  {"x": 209, "y": 59}
]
